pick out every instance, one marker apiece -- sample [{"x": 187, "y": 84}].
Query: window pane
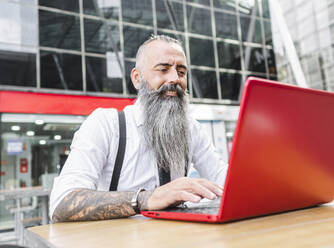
[
  {"x": 271, "y": 61},
  {"x": 17, "y": 68},
  {"x": 229, "y": 55},
  {"x": 249, "y": 7},
  {"x": 267, "y": 33},
  {"x": 69, "y": 5},
  {"x": 18, "y": 25},
  {"x": 224, "y": 4},
  {"x": 254, "y": 59},
  {"x": 226, "y": 25},
  {"x": 103, "y": 75},
  {"x": 59, "y": 30},
  {"x": 250, "y": 29},
  {"x": 133, "y": 38},
  {"x": 201, "y": 52},
  {"x": 107, "y": 8},
  {"x": 204, "y": 84},
  {"x": 199, "y": 20},
  {"x": 204, "y": 2},
  {"x": 176, "y": 14},
  {"x": 230, "y": 85},
  {"x": 61, "y": 71},
  {"x": 137, "y": 11},
  {"x": 100, "y": 36},
  {"x": 128, "y": 67},
  {"x": 265, "y": 9}
]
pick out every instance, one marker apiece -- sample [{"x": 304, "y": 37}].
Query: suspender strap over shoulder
[{"x": 120, "y": 152}]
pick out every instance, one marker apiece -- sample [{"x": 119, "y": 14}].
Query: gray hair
[{"x": 140, "y": 52}]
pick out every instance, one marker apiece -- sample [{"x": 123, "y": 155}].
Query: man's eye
[
  {"x": 163, "y": 69},
  {"x": 182, "y": 72}
]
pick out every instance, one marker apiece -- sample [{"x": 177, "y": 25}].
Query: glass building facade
[{"x": 89, "y": 46}]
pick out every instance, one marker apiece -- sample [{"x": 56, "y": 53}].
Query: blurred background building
[{"x": 61, "y": 59}]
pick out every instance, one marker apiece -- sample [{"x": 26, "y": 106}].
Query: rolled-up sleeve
[
  {"x": 206, "y": 161},
  {"x": 89, "y": 152}
]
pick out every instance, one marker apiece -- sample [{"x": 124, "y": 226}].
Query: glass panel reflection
[
  {"x": 199, "y": 20},
  {"x": 107, "y": 8},
  {"x": 100, "y": 36},
  {"x": 201, "y": 52},
  {"x": 103, "y": 75},
  {"x": 230, "y": 85},
  {"x": 17, "y": 68},
  {"x": 137, "y": 11},
  {"x": 254, "y": 59},
  {"x": 204, "y": 84},
  {"x": 249, "y": 7},
  {"x": 267, "y": 33},
  {"x": 18, "y": 25},
  {"x": 226, "y": 25},
  {"x": 265, "y": 9},
  {"x": 251, "y": 30},
  {"x": 204, "y": 2},
  {"x": 59, "y": 30},
  {"x": 271, "y": 61},
  {"x": 166, "y": 19},
  {"x": 224, "y": 4},
  {"x": 69, "y": 5},
  {"x": 229, "y": 55},
  {"x": 60, "y": 71},
  {"x": 133, "y": 38},
  {"x": 39, "y": 154},
  {"x": 128, "y": 67}
]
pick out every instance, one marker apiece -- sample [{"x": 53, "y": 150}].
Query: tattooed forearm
[{"x": 85, "y": 204}]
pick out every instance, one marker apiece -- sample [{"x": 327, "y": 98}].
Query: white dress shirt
[{"x": 94, "y": 147}]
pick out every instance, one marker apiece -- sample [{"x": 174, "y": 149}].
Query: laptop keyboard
[{"x": 205, "y": 206}]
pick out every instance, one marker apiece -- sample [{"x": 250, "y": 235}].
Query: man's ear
[{"x": 135, "y": 78}]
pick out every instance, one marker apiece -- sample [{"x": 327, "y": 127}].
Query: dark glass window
[
  {"x": 133, "y": 38},
  {"x": 107, "y": 8},
  {"x": 201, "y": 52},
  {"x": 164, "y": 20},
  {"x": 224, "y": 4},
  {"x": 137, "y": 11},
  {"x": 230, "y": 85},
  {"x": 249, "y": 7},
  {"x": 265, "y": 9},
  {"x": 17, "y": 68},
  {"x": 60, "y": 71},
  {"x": 199, "y": 20},
  {"x": 229, "y": 55},
  {"x": 101, "y": 36},
  {"x": 59, "y": 30},
  {"x": 271, "y": 61},
  {"x": 254, "y": 59},
  {"x": 130, "y": 88},
  {"x": 226, "y": 25},
  {"x": 69, "y": 5},
  {"x": 267, "y": 33},
  {"x": 103, "y": 75},
  {"x": 251, "y": 29},
  {"x": 204, "y": 2},
  {"x": 204, "y": 84}
]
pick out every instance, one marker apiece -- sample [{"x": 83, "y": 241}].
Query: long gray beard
[{"x": 166, "y": 127}]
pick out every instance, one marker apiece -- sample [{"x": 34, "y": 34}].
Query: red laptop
[{"x": 282, "y": 156}]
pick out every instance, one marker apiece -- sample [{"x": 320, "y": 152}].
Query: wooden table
[{"x": 313, "y": 227}]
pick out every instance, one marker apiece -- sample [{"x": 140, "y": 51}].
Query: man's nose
[{"x": 173, "y": 77}]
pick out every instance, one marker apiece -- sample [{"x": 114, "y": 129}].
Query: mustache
[{"x": 171, "y": 87}]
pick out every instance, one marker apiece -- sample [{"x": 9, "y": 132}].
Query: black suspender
[
  {"x": 120, "y": 152},
  {"x": 163, "y": 175}
]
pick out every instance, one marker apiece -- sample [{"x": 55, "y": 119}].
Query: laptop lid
[{"x": 282, "y": 157}]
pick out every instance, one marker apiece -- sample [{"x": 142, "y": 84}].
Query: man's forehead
[{"x": 162, "y": 50}]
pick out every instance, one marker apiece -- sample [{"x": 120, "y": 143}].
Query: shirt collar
[{"x": 138, "y": 113}]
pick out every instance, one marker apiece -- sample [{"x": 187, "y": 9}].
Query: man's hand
[{"x": 181, "y": 190}]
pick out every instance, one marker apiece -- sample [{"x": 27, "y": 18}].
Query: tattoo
[{"x": 86, "y": 204}]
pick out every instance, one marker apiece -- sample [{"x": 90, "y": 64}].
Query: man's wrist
[{"x": 143, "y": 199}]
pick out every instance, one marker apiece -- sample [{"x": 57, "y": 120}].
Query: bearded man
[{"x": 161, "y": 139}]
